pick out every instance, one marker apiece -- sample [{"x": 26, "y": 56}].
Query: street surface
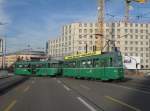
[{"x": 67, "y": 94}]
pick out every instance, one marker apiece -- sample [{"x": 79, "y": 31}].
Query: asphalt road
[{"x": 65, "y": 94}]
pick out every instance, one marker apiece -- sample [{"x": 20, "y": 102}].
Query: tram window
[
  {"x": 89, "y": 63},
  {"x": 20, "y": 66},
  {"x": 26, "y": 66},
  {"x": 96, "y": 63},
  {"x": 111, "y": 62},
  {"x": 102, "y": 63},
  {"x": 83, "y": 64},
  {"x": 49, "y": 65}
]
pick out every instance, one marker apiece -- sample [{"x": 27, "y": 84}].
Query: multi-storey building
[
  {"x": 75, "y": 38},
  {"x": 133, "y": 39}
]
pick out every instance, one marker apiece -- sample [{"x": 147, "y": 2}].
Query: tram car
[
  {"x": 106, "y": 66},
  {"x": 49, "y": 68},
  {"x": 38, "y": 68},
  {"x": 23, "y": 68}
]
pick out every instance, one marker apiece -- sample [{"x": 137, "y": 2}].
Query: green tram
[
  {"x": 22, "y": 68},
  {"x": 38, "y": 68},
  {"x": 107, "y": 66}
]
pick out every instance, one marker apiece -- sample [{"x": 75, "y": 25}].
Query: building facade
[
  {"x": 132, "y": 39},
  {"x": 11, "y": 58}
]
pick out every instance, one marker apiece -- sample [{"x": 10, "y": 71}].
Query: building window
[
  {"x": 118, "y": 42},
  {"x": 147, "y": 66},
  {"x": 80, "y": 36},
  {"x": 131, "y": 42},
  {"x": 131, "y": 31},
  {"x": 141, "y": 37},
  {"x": 126, "y": 30},
  {"x": 91, "y": 36},
  {"x": 136, "y": 25},
  {"x": 136, "y": 42},
  {"x": 118, "y": 30},
  {"x": 126, "y": 48},
  {"x": 80, "y": 30},
  {"x": 141, "y": 43},
  {"x": 85, "y": 25},
  {"x": 91, "y": 31},
  {"x": 107, "y": 30},
  {"x": 125, "y": 24},
  {"x": 126, "y": 42},
  {"x": 131, "y": 36},
  {"x": 136, "y": 30},
  {"x": 147, "y": 55},
  {"x": 118, "y": 24},
  {"x": 85, "y": 30},
  {"x": 80, "y": 42},
  {"x": 141, "y": 48},
  {"x": 136, "y": 36},
  {"x": 131, "y": 48},
  {"x": 85, "y": 36},
  {"x": 80, "y": 25}
]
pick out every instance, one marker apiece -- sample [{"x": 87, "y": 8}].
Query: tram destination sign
[{"x": 83, "y": 55}]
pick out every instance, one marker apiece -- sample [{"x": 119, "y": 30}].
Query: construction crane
[
  {"x": 101, "y": 8},
  {"x": 127, "y": 2}
]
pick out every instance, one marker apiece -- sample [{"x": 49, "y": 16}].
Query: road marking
[
  {"x": 138, "y": 90},
  {"x": 59, "y": 81},
  {"x": 67, "y": 88},
  {"x": 86, "y": 104},
  {"x": 85, "y": 87},
  {"x": 26, "y": 89},
  {"x": 122, "y": 103},
  {"x": 11, "y": 105}
]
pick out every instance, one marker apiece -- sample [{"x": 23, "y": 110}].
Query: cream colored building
[
  {"x": 132, "y": 39},
  {"x": 9, "y": 59}
]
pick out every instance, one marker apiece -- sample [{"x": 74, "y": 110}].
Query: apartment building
[{"x": 133, "y": 39}]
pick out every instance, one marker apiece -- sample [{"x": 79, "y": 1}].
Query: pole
[
  {"x": 5, "y": 52},
  {"x": 2, "y": 53},
  {"x": 149, "y": 53},
  {"x": 101, "y": 22},
  {"x": 127, "y": 3}
]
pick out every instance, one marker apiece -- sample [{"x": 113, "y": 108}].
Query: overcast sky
[{"x": 36, "y": 21}]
